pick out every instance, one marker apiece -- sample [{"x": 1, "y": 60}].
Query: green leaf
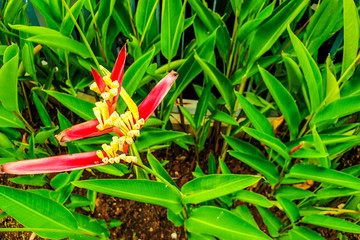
[
  {"x": 188, "y": 117},
  {"x": 244, "y": 213},
  {"x": 11, "y": 10},
  {"x": 242, "y": 146},
  {"x": 337, "y": 109},
  {"x": 253, "y": 198},
  {"x": 294, "y": 75},
  {"x": 221, "y": 82},
  {"x": 122, "y": 17},
  {"x": 257, "y": 119},
  {"x": 269, "y": 141},
  {"x": 34, "y": 180},
  {"x": 292, "y": 193},
  {"x": 271, "y": 221},
  {"x": 335, "y": 192},
  {"x": 152, "y": 138},
  {"x": 78, "y": 106},
  {"x": 202, "y": 106},
  {"x": 332, "y": 87},
  {"x": 58, "y": 41},
  {"x": 157, "y": 167},
  {"x": 67, "y": 24},
  {"x": 35, "y": 211},
  {"x": 208, "y": 187},
  {"x": 9, "y": 79},
  {"x": 304, "y": 233},
  {"x": 272, "y": 28},
  {"x": 45, "y": 134},
  {"x": 172, "y": 27},
  {"x": 284, "y": 101},
  {"x": 260, "y": 164},
  {"x": 351, "y": 36},
  {"x": 43, "y": 114},
  {"x": 139, "y": 190},
  {"x": 222, "y": 224},
  {"x": 324, "y": 175},
  {"x": 311, "y": 71},
  {"x": 145, "y": 18},
  {"x": 224, "y": 118},
  {"x": 289, "y": 208},
  {"x": 9, "y": 119},
  {"x": 332, "y": 223}
]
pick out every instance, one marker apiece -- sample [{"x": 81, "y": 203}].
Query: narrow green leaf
[
  {"x": 289, "y": 208},
  {"x": 80, "y": 107},
  {"x": 325, "y": 175},
  {"x": 224, "y": 118},
  {"x": 33, "y": 180},
  {"x": 188, "y": 117},
  {"x": 139, "y": 190},
  {"x": 43, "y": 114},
  {"x": 171, "y": 31},
  {"x": 67, "y": 24},
  {"x": 284, "y": 101},
  {"x": 209, "y": 187},
  {"x": 45, "y": 213},
  {"x": 253, "y": 198},
  {"x": 222, "y": 224},
  {"x": 293, "y": 193},
  {"x": 271, "y": 221},
  {"x": 221, "y": 82},
  {"x": 332, "y": 87},
  {"x": 332, "y": 223},
  {"x": 311, "y": 71},
  {"x": 202, "y": 106},
  {"x": 260, "y": 164},
  {"x": 156, "y": 166},
  {"x": 304, "y": 233},
  {"x": 269, "y": 141},
  {"x": 9, "y": 79},
  {"x": 152, "y": 138},
  {"x": 242, "y": 146},
  {"x": 257, "y": 119},
  {"x": 335, "y": 192},
  {"x": 351, "y": 35},
  {"x": 244, "y": 213}
]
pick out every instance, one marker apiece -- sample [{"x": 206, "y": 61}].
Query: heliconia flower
[
  {"x": 126, "y": 126},
  {"x": 64, "y": 163}
]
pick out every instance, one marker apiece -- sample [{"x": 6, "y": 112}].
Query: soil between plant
[{"x": 146, "y": 221}]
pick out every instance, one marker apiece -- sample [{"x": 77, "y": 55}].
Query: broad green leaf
[
  {"x": 45, "y": 10},
  {"x": 5, "y": 142},
  {"x": 35, "y": 211},
  {"x": 260, "y": 164},
  {"x": 145, "y": 18},
  {"x": 152, "y": 138},
  {"x": 33, "y": 180},
  {"x": 289, "y": 208},
  {"x": 91, "y": 226},
  {"x": 224, "y": 118},
  {"x": 209, "y": 187},
  {"x": 304, "y": 233},
  {"x": 337, "y": 109},
  {"x": 11, "y": 10},
  {"x": 122, "y": 17},
  {"x": 199, "y": 236},
  {"x": 269, "y": 141},
  {"x": 272, "y": 28},
  {"x": 221, "y": 82},
  {"x": 213, "y": 22},
  {"x": 173, "y": 21},
  {"x": 308, "y": 153},
  {"x": 320, "y": 174},
  {"x": 139, "y": 190},
  {"x": 78, "y": 106},
  {"x": 293, "y": 193},
  {"x": 222, "y": 224},
  {"x": 58, "y": 41},
  {"x": 156, "y": 166},
  {"x": 9, "y": 119},
  {"x": 351, "y": 36},
  {"x": 311, "y": 71},
  {"x": 271, "y": 221},
  {"x": 9, "y": 79},
  {"x": 257, "y": 119},
  {"x": 253, "y": 198},
  {"x": 332, "y": 223},
  {"x": 45, "y": 134},
  {"x": 284, "y": 101}
]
